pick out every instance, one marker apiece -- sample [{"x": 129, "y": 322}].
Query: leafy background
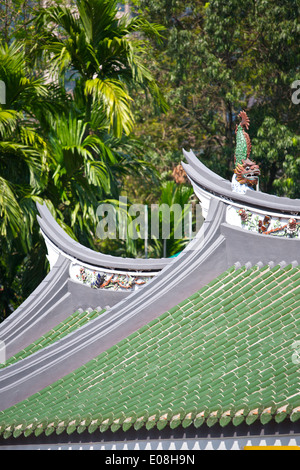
[{"x": 100, "y": 105}]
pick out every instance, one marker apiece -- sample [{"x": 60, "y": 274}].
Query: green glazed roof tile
[
  {"x": 67, "y": 326},
  {"x": 223, "y": 355}
]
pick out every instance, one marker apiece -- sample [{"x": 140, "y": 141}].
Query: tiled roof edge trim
[{"x": 159, "y": 421}]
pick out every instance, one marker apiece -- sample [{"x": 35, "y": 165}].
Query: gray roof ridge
[
  {"x": 199, "y": 166},
  {"x": 33, "y": 317},
  {"x": 217, "y": 186},
  {"x": 245, "y": 246},
  {"x": 66, "y": 245},
  {"x": 57, "y": 296}
]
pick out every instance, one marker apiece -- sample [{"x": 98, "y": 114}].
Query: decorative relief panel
[
  {"x": 107, "y": 280},
  {"x": 269, "y": 225}
]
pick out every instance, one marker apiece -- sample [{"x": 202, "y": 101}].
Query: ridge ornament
[{"x": 246, "y": 172}]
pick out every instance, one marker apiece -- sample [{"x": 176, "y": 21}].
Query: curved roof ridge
[
  {"x": 213, "y": 184},
  {"x": 67, "y": 246}
]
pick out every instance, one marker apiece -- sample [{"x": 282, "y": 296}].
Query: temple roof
[
  {"x": 224, "y": 354},
  {"x": 211, "y": 338}
]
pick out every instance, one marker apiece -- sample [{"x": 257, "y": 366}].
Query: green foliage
[
  {"x": 172, "y": 195},
  {"x": 171, "y": 225},
  {"x": 94, "y": 47},
  {"x": 22, "y": 149},
  {"x": 64, "y": 134},
  {"x": 216, "y": 59},
  {"x": 78, "y": 129},
  {"x": 23, "y": 177}
]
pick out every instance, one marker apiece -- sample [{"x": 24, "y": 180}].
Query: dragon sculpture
[{"x": 246, "y": 172}]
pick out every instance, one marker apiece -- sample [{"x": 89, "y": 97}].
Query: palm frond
[
  {"x": 30, "y": 156},
  {"x": 98, "y": 174},
  {"x": 116, "y": 101},
  {"x": 11, "y": 215},
  {"x": 8, "y": 120}
]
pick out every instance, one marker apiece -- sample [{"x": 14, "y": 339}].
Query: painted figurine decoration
[
  {"x": 267, "y": 225},
  {"x": 246, "y": 172},
  {"x": 115, "y": 281}
]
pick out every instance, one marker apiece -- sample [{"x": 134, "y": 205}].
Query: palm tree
[
  {"x": 104, "y": 54},
  {"x": 88, "y": 45},
  {"x": 166, "y": 230},
  {"x": 22, "y": 148},
  {"x": 23, "y": 170},
  {"x": 78, "y": 180},
  {"x": 71, "y": 150},
  {"x": 173, "y": 195}
]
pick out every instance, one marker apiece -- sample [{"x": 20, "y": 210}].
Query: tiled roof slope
[
  {"x": 225, "y": 354},
  {"x": 70, "y": 324}
]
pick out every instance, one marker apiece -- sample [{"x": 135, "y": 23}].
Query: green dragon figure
[{"x": 246, "y": 171}]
